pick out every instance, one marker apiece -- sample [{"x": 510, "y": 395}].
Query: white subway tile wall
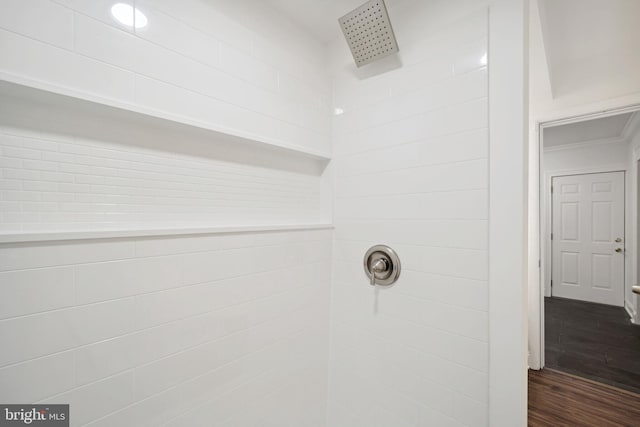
[
  {"x": 411, "y": 150},
  {"x": 213, "y": 328},
  {"x": 233, "y": 329},
  {"x": 62, "y": 183},
  {"x": 187, "y": 48},
  {"x": 190, "y": 60},
  {"x": 176, "y": 330}
]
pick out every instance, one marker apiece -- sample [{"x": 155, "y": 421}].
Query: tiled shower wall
[
  {"x": 58, "y": 182},
  {"x": 190, "y": 61},
  {"x": 177, "y": 331},
  {"x": 411, "y": 163},
  {"x": 224, "y": 329},
  {"x": 148, "y": 331}
]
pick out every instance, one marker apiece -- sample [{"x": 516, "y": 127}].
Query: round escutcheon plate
[{"x": 385, "y": 262}]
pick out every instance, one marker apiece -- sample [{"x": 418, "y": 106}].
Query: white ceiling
[
  {"x": 319, "y": 17},
  {"x": 591, "y": 130},
  {"x": 591, "y": 43}
]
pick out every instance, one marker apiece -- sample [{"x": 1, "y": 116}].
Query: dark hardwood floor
[
  {"x": 593, "y": 341},
  {"x": 559, "y": 399}
]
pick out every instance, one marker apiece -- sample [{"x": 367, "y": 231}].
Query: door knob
[
  {"x": 635, "y": 289},
  {"x": 618, "y": 250},
  {"x": 618, "y": 240},
  {"x": 381, "y": 265}
]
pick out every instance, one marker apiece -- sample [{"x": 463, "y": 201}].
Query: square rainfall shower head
[{"x": 368, "y": 32}]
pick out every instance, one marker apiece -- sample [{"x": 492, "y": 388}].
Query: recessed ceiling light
[
  {"x": 126, "y": 15},
  {"x": 338, "y": 111}
]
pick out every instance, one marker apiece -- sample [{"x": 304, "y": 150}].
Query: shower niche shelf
[
  {"x": 53, "y": 236},
  {"x": 56, "y": 112},
  {"x": 85, "y": 114}
]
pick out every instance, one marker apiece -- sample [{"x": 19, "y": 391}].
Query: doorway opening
[{"x": 588, "y": 248}]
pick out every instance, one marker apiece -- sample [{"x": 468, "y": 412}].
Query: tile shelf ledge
[
  {"x": 14, "y": 85},
  {"x": 37, "y": 237}
]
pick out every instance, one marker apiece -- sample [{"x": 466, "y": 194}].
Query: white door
[{"x": 588, "y": 237}]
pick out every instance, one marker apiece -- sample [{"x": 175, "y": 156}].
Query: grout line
[
  {"x": 389, "y": 98},
  {"x": 289, "y": 337},
  {"x": 181, "y": 383},
  {"x": 350, "y": 293},
  {"x": 410, "y": 397},
  {"x": 135, "y": 73},
  {"x": 216, "y": 39},
  {"x": 398, "y": 318},
  {"x": 171, "y": 322},
  {"x": 131, "y": 239},
  {"x": 415, "y": 193},
  {"x": 224, "y": 167},
  {"x": 356, "y": 347},
  {"x": 354, "y": 240},
  {"x": 181, "y": 287},
  {"x": 353, "y": 153},
  {"x": 413, "y": 115},
  {"x": 421, "y": 166}
]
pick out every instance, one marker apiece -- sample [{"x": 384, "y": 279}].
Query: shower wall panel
[
  {"x": 411, "y": 158},
  {"x": 221, "y": 329},
  {"x": 210, "y": 329},
  {"x": 191, "y": 61}
]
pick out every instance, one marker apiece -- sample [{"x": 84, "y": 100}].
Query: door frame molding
[
  {"x": 633, "y": 222},
  {"x": 537, "y": 360}
]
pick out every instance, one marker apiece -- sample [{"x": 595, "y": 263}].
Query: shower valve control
[{"x": 381, "y": 265}]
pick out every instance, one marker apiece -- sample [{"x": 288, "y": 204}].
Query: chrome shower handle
[{"x": 380, "y": 266}]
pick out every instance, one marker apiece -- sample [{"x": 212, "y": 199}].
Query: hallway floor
[
  {"x": 593, "y": 341},
  {"x": 559, "y": 399}
]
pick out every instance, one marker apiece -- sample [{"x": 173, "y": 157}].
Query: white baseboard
[{"x": 633, "y": 315}]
